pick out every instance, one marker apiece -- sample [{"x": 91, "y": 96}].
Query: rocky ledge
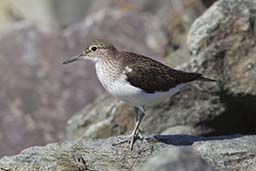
[{"x": 162, "y": 152}]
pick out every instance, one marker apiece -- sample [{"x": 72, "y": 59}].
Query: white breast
[{"x": 124, "y": 91}]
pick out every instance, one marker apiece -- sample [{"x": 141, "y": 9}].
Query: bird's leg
[
  {"x": 139, "y": 116},
  {"x": 136, "y": 131},
  {"x": 139, "y": 111}
]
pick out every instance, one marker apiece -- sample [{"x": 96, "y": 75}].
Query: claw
[
  {"x": 121, "y": 142},
  {"x": 131, "y": 140}
]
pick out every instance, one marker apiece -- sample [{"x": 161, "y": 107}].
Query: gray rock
[
  {"x": 180, "y": 129},
  {"x": 111, "y": 117},
  {"x": 149, "y": 6},
  {"x": 223, "y": 39},
  {"x": 178, "y": 159},
  {"x": 135, "y": 32},
  {"x": 201, "y": 153},
  {"x": 38, "y": 93},
  {"x": 233, "y": 154},
  {"x": 222, "y": 42},
  {"x": 80, "y": 155},
  {"x": 175, "y": 16}
]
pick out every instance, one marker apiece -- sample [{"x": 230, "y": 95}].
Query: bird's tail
[{"x": 201, "y": 78}]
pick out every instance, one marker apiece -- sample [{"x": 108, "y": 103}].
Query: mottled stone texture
[
  {"x": 37, "y": 92},
  {"x": 161, "y": 153},
  {"x": 224, "y": 39},
  {"x": 222, "y": 42}
]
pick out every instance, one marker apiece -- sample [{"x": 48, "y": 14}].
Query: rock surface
[
  {"x": 222, "y": 42},
  {"x": 37, "y": 92},
  {"x": 224, "y": 39},
  {"x": 130, "y": 31},
  {"x": 175, "y": 16},
  {"x": 178, "y": 159},
  {"x": 161, "y": 152}
]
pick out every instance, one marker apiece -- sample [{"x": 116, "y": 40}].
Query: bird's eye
[{"x": 93, "y": 48}]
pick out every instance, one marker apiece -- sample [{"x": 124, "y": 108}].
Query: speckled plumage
[
  {"x": 134, "y": 78},
  {"x": 153, "y": 76}
]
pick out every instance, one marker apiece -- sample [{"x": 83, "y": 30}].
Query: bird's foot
[{"x": 132, "y": 139}]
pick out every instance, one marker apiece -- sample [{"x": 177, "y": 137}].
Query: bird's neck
[
  {"x": 107, "y": 67},
  {"x": 107, "y": 72},
  {"x": 108, "y": 61}
]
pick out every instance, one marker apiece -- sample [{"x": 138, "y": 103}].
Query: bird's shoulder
[{"x": 137, "y": 61}]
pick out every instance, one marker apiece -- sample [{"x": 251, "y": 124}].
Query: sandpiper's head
[{"x": 95, "y": 51}]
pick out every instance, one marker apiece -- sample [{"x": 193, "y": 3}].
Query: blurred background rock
[
  {"x": 44, "y": 12},
  {"x": 38, "y": 94}
]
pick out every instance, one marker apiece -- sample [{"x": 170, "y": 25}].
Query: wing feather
[{"x": 153, "y": 76}]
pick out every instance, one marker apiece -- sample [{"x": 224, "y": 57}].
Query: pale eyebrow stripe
[{"x": 99, "y": 47}]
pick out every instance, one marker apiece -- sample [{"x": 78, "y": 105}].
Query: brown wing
[{"x": 153, "y": 76}]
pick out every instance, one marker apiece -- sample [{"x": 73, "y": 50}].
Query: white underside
[
  {"x": 136, "y": 96},
  {"x": 124, "y": 91}
]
